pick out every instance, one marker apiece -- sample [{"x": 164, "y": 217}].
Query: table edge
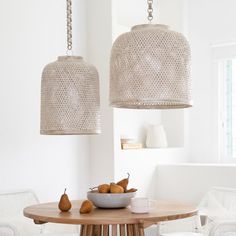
[{"x": 43, "y": 219}]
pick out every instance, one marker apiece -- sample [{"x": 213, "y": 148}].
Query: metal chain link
[
  {"x": 150, "y": 10},
  {"x": 69, "y": 24}
]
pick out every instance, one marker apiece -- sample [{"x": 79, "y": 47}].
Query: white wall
[
  {"x": 189, "y": 183},
  {"x": 32, "y": 35},
  {"x": 205, "y": 24},
  {"x": 141, "y": 164},
  {"x": 133, "y": 12},
  {"x": 210, "y": 22},
  {"x": 131, "y": 122},
  {"x": 173, "y": 13},
  {"x": 99, "y": 47}
]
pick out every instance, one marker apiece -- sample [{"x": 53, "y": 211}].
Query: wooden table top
[{"x": 163, "y": 211}]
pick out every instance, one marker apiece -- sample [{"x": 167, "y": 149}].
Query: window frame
[{"x": 220, "y": 54}]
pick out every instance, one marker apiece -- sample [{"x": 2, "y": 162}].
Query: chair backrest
[
  {"x": 13, "y": 203},
  {"x": 219, "y": 202},
  {"x": 227, "y": 228},
  {"x": 11, "y": 211}
]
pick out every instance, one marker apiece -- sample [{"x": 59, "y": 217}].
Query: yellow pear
[
  {"x": 86, "y": 207},
  {"x": 114, "y": 188},
  {"x": 124, "y": 182},
  {"x": 64, "y": 204},
  {"x": 104, "y": 188}
]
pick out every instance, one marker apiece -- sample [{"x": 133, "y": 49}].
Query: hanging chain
[
  {"x": 69, "y": 24},
  {"x": 150, "y": 10}
]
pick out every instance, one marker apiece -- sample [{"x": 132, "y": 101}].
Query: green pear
[{"x": 64, "y": 204}]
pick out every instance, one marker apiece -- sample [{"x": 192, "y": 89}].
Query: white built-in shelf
[
  {"x": 151, "y": 149},
  {"x": 155, "y": 152},
  {"x": 153, "y": 155},
  {"x": 134, "y": 124}
]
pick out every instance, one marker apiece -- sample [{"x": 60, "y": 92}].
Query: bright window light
[{"x": 228, "y": 107}]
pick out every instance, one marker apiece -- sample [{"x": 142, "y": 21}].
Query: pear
[
  {"x": 124, "y": 182},
  {"x": 131, "y": 190},
  {"x": 86, "y": 207},
  {"x": 114, "y": 188},
  {"x": 64, "y": 204},
  {"x": 104, "y": 188}
]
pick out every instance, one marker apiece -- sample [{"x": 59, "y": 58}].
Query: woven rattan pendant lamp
[
  {"x": 150, "y": 68},
  {"x": 70, "y": 102}
]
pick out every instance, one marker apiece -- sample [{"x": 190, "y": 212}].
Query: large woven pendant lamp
[
  {"x": 150, "y": 68},
  {"x": 70, "y": 102}
]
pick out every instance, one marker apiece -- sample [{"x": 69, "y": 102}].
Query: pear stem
[
  {"x": 65, "y": 191},
  {"x": 128, "y": 175},
  {"x": 93, "y": 188}
]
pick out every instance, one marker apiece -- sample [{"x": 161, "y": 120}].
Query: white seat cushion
[{"x": 182, "y": 234}]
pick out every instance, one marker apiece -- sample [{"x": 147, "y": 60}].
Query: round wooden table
[{"x": 121, "y": 221}]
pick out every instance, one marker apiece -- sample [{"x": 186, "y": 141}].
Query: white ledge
[{"x": 200, "y": 164}]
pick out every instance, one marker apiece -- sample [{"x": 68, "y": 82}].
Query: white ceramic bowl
[{"x": 110, "y": 200}]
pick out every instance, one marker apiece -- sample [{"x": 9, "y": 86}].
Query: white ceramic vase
[{"x": 156, "y": 137}]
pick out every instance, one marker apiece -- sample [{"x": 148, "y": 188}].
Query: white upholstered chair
[
  {"x": 13, "y": 223},
  {"x": 227, "y": 228},
  {"x": 218, "y": 209}
]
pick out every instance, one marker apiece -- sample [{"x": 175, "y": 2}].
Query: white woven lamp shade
[
  {"x": 70, "y": 100},
  {"x": 150, "y": 69},
  {"x": 70, "y": 97}
]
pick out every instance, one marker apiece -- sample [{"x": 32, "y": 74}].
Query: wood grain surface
[{"x": 163, "y": 211}]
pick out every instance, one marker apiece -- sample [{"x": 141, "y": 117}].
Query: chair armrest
[
  {"x": 223, "y": 227},
  {"x": 12, "y": 228}
]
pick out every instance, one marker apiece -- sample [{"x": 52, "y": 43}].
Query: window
[
  {"x": 224, "y": 61},
  {"x": 227, "y": 101}
]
